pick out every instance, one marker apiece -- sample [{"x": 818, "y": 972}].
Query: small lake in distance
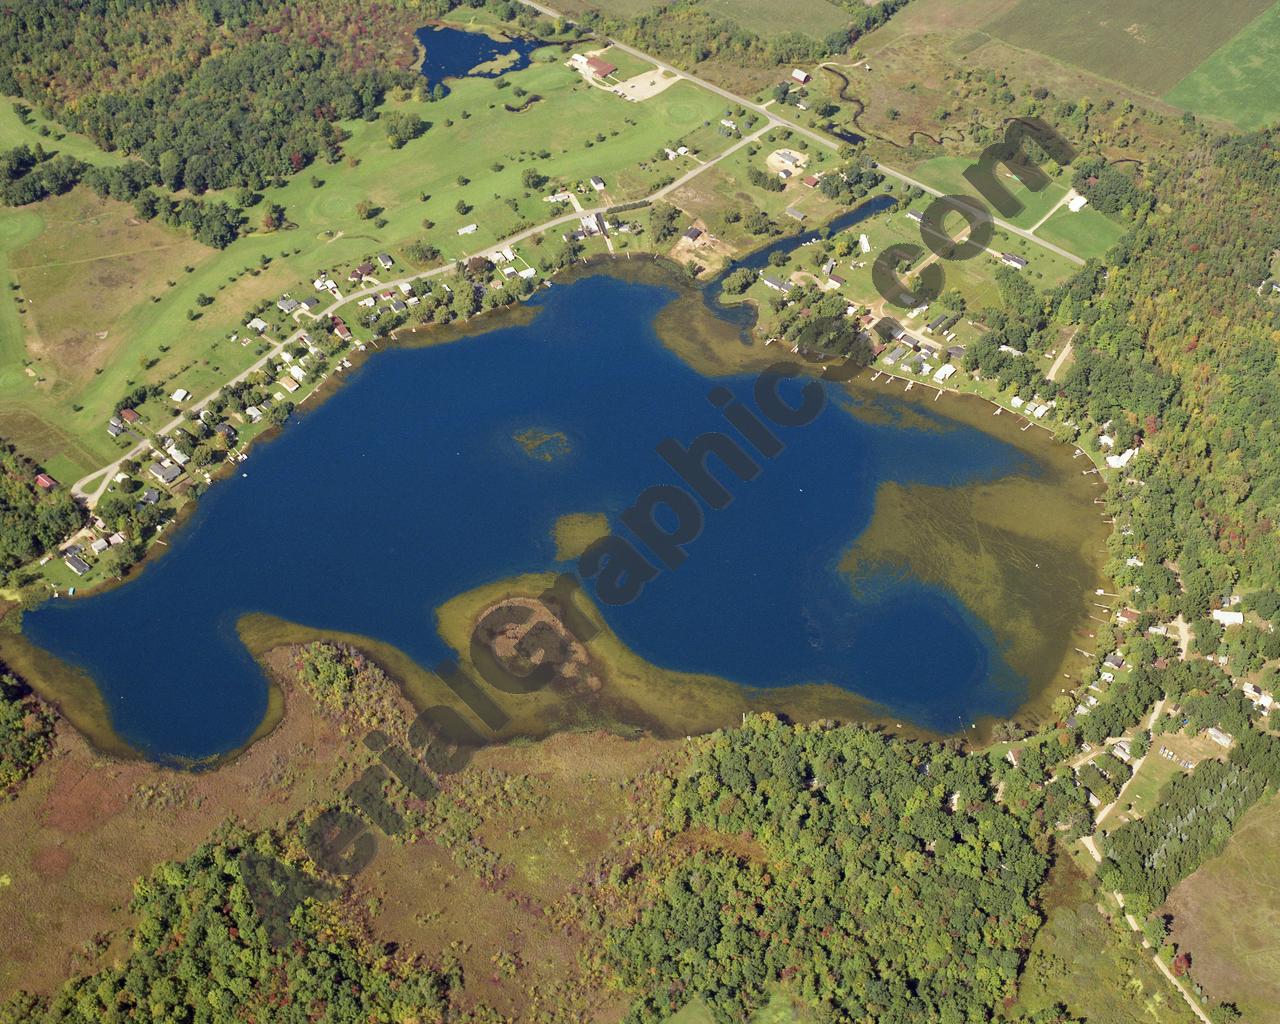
[
  {"x": 408, "y": 487},
  {"x": 454, "y": 53}
]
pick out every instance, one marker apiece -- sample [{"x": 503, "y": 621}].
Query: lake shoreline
[{"x": 744, "y": 358}]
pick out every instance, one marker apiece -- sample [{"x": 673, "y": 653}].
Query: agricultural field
[
  {"x": 1227, "y": 916},
  {"x": 1240, "y": 81},
  {"x": 568, "y": 131},
  {"x": 1148, "y": 44}
]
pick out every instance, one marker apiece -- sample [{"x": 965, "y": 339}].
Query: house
[
  {"x": 693, "y": 234},
  {"x": 775, "y": 284},
  {"x": 527, "y": 273},
  {"x": 227, "y": 431},
  {"x": 799, "y": 76},
  {"x": 597, "y": 183},
  {"x": 1223, "y": 739},
  {"x": 956, "y": 352},
  {"x": 287, "y": 305},
  {"x": 1121, "y": 749},
  {"x": 322, "y": 283},
  {"x": 45, "y": 482},
  {"x": 789, "y": 158},
  {"x": 397, "y": 306},
  {"x": 835, "y": 280},
  {"x": 864, "y": 243},
  {"x": 600, "y": 68},
  {"x": 1076, "y": 203},
  {"x": 794, "y": 214},
  {"x": 1114, "y": 659},
  {"x": 178, "y": 455},
  {"x": 365, "y": 269},
  {"x": 165, "y": 472},
  {"x": 116, "y": 539},
  {"x": 100, "y": 545},
  {"x": 944, "y": 374},
  {"x": 1128, "y": 616},
  {"x": 76, "y": 564},
  {"x": 935, "y": 323},
  {"x": 115, "y": 428},
  {"x": 343, "y": 332},
  {"x": 181, "y": 395},
  {"x": 1227, "y": 618},
  {"x": 253, "y": 412},
  {"x": 810, "y": 181},
  {"x": 309, "y": 303},
  {"x": 149, "y": 497},
  {"x": 1121, "y": 460},
  {"x": 257, "y": 324},
  {"x": 726, "y": 123},
  {"x": 355, "y": 275},
  {"x": 129, "y": 416},
  {"x": 470, "y": 229},
  {"x": 289, "y": 384},
  {"x": 1011, "y": 260},
  {"x": 385, "y": 261}
]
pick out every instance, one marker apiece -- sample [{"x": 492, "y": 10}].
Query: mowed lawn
[
  {"x": 1240, "y": 82},
  {"x": 1086, "y": 232},
  {"x": 1227, "y": 916},
  {"x": 1148, "y": 44},
  {"x": 946, "y": 173},
  {"x": 572, "y": 132}
]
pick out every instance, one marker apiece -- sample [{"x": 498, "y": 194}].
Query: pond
[
  {"x": 455, "y": 53},
  {"x": 930, "y": 563}
]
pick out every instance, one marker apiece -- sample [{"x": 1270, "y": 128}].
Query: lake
[
  {"x": 413, "y": 483},
  {"x": 454, "y": 53}
]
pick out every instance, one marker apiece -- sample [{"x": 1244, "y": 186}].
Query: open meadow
[
  {"x": 1227, "y": 916},
  {"x": 1240, "y": 81}
]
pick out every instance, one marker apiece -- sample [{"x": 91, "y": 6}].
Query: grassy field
[
  {"x": 1240, "y": 81},
  {"x": 1086, "y": 233},
  {"x": 1149, "y": 44},
  {"x": 816, "y": 18},
  {"x": 573, "y": 131},
  {"x": 1227, "y": 916}
]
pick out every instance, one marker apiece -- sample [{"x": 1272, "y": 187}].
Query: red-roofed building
[
  {"x": 45, "y": 482},
  {"x": 129, "y": 416},
  {"x": 600, "y": 68},
  {"x": 811, "y": 181}
]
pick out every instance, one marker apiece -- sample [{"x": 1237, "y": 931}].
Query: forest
[
  {"x": 878, "y": 878},
  {"x": 200, "y": 953},
  {"x": 26, "y": 732},
  {"x": 32, "y": 521},
  {"x": 168, "y": 83}
]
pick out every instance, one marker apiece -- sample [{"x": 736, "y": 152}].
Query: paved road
[
  {"x": 91, "y": 492},
  {"x": 822, "y": 140}
]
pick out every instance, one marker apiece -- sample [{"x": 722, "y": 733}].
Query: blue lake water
[
  {"x": 453, "y": 53},
  {"x": 407, "y": 487}
]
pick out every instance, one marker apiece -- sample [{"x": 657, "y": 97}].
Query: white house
[
  {"x": 1227, "y": 618},
  {"x": 800, "y": 76},
  {"x": 944, "y": 374},
  {"x": 181, "y": 395},
  {"x": 1076, "y": 203},
  {"x": 1123, "y": 459},
  {"x": 470, "y": 229}
]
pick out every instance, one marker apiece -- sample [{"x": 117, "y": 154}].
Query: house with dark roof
[
  {"x": 1011, "y": 260},
  {"x": 600, "y": 68},
  {"x": 385, "y": 261},
  {"x": 166, "y": 473},
  {"x": 76, "y": 564},
  {"x": 287, "y": 305}
]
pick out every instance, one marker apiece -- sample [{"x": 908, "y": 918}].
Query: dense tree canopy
[{"x": 879, "y": 877}]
